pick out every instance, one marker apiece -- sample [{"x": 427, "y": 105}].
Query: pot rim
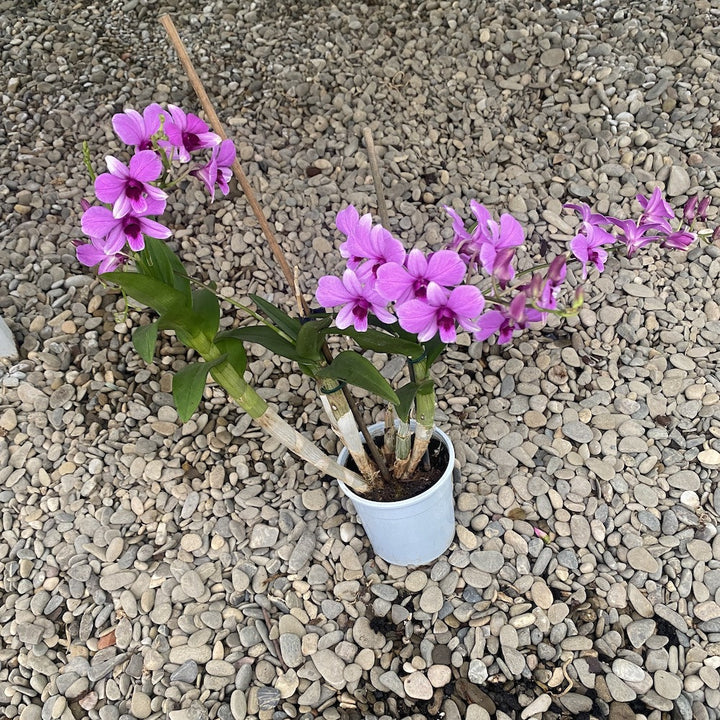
[{"x": 434, "y": 488}]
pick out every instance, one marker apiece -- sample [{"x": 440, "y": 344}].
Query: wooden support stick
[
  {"x": 377, "y": 180},
  {"x": 207, "y": 106}
]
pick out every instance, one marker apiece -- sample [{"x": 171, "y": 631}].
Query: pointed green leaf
[
  {"x": 433, "y": 347},
  {"x": 144, "y": 338},
  {"x": 206, "y": 308},
  {"x": 358, "y": 370},
  {"x": 159, "y": 261},
  {"x": 406, "y": 393},
  {"x": 188, "y": 385},
  {"x": 382, "y": 342},
  {"x": 149, "y": 291},
  {"x": 311, "y": 338},
  {"x": 235, "y": 351},
  {"x": 267, "y": 337},
  {"x": 289, "y": 325},
  {"x": 184, "y": 322}
]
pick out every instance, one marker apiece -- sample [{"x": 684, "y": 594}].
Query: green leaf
[
  {"x": 268, "y": 338},
  {"x": 358, "y": 370},
  {"x": 433, "y": 347},
  {"x": 206, "y": 308},
  {"x": 406, "y": 393},
  {"x": 311, "y": 338},
  {"x": 149, "y": 291},
  {"x": 289, "y": 325},
  {"x": 188, "y": 385},
  {"x": 235, "y": 351},
  {"x": 144, "y": 339},
  {"x": 184, "y": 322},
  {"x": 159, "y": 261},
  {"x": 382, "y": 342}
]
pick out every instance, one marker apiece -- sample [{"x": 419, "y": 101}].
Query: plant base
[{"x": 414, "y": 531}]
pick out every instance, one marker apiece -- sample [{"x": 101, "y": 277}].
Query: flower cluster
[
  {"x": 133, "y": 194},
  {"x": 434, "y": 294}
]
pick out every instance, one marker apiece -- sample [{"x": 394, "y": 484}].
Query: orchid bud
[
  {"x": 84, "y": 204},
  {"x": 703, "y": 208},
  {"x": 534, "y": 288},
  {"x": 716, "y": 234},
  {"x": 579, "y": 298},
  {"x": 557, "y": 270},
  {"x": 503, "y": 270},
  {"x": 689, "y": 209},
  {"x": 516, "y": 309}
]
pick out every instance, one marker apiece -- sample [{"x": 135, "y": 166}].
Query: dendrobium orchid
[
  {"x": 106, "y": 254},
  {"x": 369, "y": 245},
  {"x": 679, "y": 240},
  {"x": 491, "y": 244},
  {"x": 133, "y": 193},
  {"x": 399, "y": 282},
  {"x": 99, "y": 222},
  {"x": 136, "y": 129},
  {"x": 413, "y": 303},
  {"x": 128, "y": 187},
  {"x": 586, "y": 246},
  {"x": 217, "y": 171},
  {"x": 358, "y": 300},
  {"x": 186, "y": 133},
  {"x": 656, "y": 210},
  {"x": 636, "y": 235},
  {"x": 441, "y": 311},
  {"x": 429, "y": 294}
]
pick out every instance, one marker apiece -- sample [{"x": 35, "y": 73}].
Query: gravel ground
[{"x": 151, "y": 569}]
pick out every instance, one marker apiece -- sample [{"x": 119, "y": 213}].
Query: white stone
[
  {"x": 709, "y": 458},
  {"x": 8, "y": 349},
  {"x": 538, "y": 706},
  {"x": 417, "y": 686}
]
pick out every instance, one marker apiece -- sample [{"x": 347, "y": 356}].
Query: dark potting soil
[{"x": 421, "y": 480}]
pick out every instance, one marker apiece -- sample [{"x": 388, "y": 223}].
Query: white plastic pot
[{"x": 413, "y": 531}]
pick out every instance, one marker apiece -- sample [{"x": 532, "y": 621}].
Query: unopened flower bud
[
  {"x": 516, "y": 309},
  {"x": 557, "y": 270},
  {"x": 579, "y": 298},
  {"x": 503, "y": 270},
  {"x": 689, "y": 209},
  {"x": 703, "y": 208}
]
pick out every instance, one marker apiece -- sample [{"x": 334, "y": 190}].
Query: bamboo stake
[
  {"x": 177, "y": 43},
  {"x": 377, "y": 181},
  {"x": 240, "y": 176}
]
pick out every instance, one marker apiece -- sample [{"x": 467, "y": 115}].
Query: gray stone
[
  {"x": 302, "y": 552},
  {"x": 186, "y": 673},
  {"x": 290, "y": 649},
  {"x": 678, "y": 182},
  {"x": 267, "y": 698},
  {"x": 393, "y": 683},
  {"x": 667, "y": 685},
  {"x": 417, "y": 686},
  {"x": 639, "y": 631},
  {"x": 330, "y": 666},
  {"x": 577, "y": 431},
  {"x": 489, "y": 561},
  {"x": 238, "y": 705}
]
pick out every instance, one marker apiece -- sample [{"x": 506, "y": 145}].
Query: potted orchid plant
[{"x": 388, "y": 300}]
